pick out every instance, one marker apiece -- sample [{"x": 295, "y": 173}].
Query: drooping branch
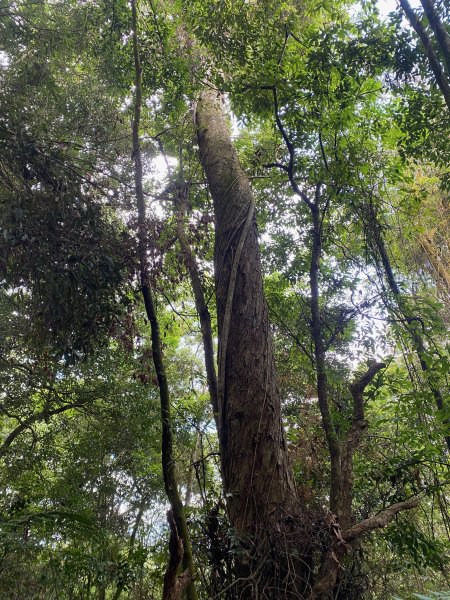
[{"x": 168, "y": 461}]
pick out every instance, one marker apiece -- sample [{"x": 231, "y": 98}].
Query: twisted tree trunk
[{"x": 257, "y": 477}]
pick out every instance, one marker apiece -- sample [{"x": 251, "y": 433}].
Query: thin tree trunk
[
  {"x": 121, "y": 586},
  {"x": 200, "y": 304},
  {"x": 440, "y": 32},
  {"x": 432, "y": 57},
  {"x": 168, "y": 462},
  {"x": 341, "y": 453},
  {"x": 380, "y": 251},
  {"x": 190, "y": 477},
  {"x": 319, "y": 359}
]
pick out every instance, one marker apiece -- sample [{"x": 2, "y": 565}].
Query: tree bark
[
  {"x": 257, "y": 477},
  {"x": 175, "y": 584}
]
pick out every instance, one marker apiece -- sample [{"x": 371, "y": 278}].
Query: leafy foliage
[{"x": 82, "y": 507}]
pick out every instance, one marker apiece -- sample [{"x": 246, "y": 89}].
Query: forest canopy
[{"x": 225, "y": 299}]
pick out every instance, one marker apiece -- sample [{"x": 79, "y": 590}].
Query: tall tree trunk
[
  {"x": 257, "y": 477},
  {"x": 319, "y": 358},
  {"x": 168, "y": 461}
]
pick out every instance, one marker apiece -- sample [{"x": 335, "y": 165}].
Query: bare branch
[
  {"x": 290, "y": 146},
  {"x": 277, "y": 165},
  {"x": 380, "y": 520}
]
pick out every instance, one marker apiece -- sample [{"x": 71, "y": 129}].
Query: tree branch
[
  {"x": 352, "y": 441},
  {"x": 442, "y": 36},
  {"x": 26, "y": 424},
  {"x": 380, "y": 520},
  {"x": 332, "y": 563},
  {"x": 433, "y": 60},
  {"x": 277, "y": 165},
  {"x": 357, "y": 389},
  {"x": 289, "y": 145}
]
